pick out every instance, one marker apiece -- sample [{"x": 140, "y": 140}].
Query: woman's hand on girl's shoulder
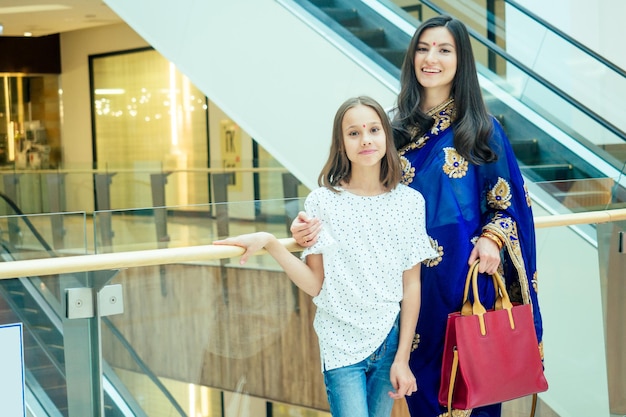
[{"x": 305, "y": 230}]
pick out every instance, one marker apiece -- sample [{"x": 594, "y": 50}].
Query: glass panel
[
  {"x": 586, "y": 194},
  {"x": 43, "y": 235},
  {"x": 174, "y": 226},
  {"x": 242, "y": 330}
]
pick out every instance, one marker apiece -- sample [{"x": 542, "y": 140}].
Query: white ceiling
[{"x": 46, "y": 17}]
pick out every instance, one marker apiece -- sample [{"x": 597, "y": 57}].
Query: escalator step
[
  {"x": 395, "y": 56},
  {"x": 372, "y": 37},
  {"x": 323, "y": 3},
  {"x": 48, "y": 377},
  {"x": 551, "y": 172},
  {"x": 527, "y": 150},
  {"x": 347, "y": 17}
]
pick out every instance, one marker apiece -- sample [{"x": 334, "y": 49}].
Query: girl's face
[
  {"x": 435, "y": 60},
  {"x": 364, "y": 139}
]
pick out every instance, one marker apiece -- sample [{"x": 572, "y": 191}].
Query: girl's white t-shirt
[{"x": 367, "y": 242}]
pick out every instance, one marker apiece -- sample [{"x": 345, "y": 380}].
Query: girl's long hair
[
  {"x": 473, "y": 125},
  {"x": 339, "y": 168}
]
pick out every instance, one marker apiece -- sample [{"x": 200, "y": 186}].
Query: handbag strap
[{"x": 455, "y": 366}]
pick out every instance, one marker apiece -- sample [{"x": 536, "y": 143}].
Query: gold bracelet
[{"x": 492, "y": 237}]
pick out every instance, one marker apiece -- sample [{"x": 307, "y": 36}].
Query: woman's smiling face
[{"x": 435, "y": 59}]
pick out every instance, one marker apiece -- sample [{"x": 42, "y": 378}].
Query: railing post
[
  {"x": 220, "y": 195},
  {"x": 56, "y": 201},
  {"x": 11, "y": 182},
  {"x": 290, "y": 194},
  {"x": 103, "y": 203},
  {"x": 157, "y": 184},
  {"x": 612, "y": 253},
  {"x": 82, "y": 338},
  {"x": 292, "y": 206}
]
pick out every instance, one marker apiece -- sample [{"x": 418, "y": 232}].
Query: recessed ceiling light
[{"x": 32, "y": 8}]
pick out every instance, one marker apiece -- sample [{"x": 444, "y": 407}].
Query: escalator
[
  {"x": 36, "y": 303},
  {"x": 570, "y": 150}
]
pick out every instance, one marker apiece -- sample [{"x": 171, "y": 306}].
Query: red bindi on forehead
[
  {"x": 363, "y": 125},
  {"x": 434, "y": 43}
]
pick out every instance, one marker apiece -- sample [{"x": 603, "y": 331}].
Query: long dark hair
[
  {"x": 338, "y": 167},
  {"x": 473, "y": 125}
]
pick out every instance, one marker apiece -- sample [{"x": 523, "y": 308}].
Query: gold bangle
[{"x": 493, "y": 237}]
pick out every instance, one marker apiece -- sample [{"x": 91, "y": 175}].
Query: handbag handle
[
  {"x": 466, "y": 309},
  {"x": 477, "y": 308}
]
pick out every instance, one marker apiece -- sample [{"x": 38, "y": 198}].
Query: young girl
[{"x": 364, "y": 269}]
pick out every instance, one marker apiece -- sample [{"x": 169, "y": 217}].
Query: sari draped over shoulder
[{"x": 462, "y": 200}]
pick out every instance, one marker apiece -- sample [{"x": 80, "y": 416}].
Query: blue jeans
[{"x": 360, "y": 390}]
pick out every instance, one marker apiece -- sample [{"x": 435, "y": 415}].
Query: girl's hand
[
  {"x": 305, "y": 230},
  {"x": 489, "y": 254},
  {"x": 403, "y": 380},
  {"x": 252, "y": 243}
]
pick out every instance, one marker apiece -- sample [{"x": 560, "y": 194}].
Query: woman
[{"x": 477, "y": 206}]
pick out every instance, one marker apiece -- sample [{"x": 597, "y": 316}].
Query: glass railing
[
  {"x": 198, "y": 334},
  {"x": 152, "y": 185},
  {"x": 561, "y": 60},
  {"x": 556, "y": 135},
  {"x": 544, "y": 87}
]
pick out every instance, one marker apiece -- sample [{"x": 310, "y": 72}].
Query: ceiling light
[{"x": 33, "y": 8}]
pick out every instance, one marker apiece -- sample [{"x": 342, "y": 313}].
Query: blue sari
[{"x": 462, "y": 200}]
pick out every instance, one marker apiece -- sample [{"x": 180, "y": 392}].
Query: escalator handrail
[
  {"x": 568, "y": 38},
  {"x": 114, "y": 330},
  {"x": 142, "y": 365},
  {"x": 30, "y": 225},
  {"x": 556, "y": 90}
]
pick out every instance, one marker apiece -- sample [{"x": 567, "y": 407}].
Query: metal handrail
[
  {"x": 122, "y": 260},
  {"x": 541, "y": 80},
  {"x": 568, "y": 38}
]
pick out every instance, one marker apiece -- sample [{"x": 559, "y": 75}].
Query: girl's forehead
[{"x": 360, "y": 114}]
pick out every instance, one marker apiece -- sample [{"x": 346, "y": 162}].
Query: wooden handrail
[
  {"x": 589, "y": 217},
  {"x": 123, "y": 260}
]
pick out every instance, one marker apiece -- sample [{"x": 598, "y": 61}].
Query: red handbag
[{"x": 489, "y": 356}]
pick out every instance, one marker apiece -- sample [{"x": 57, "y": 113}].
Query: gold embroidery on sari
[
  {"x": 444, "y": 115},
  {"x": 535, "y": 283},
  {"x": 455, "y": 166},
  {"x": 408, "y": 171},
  {"x": 506, "y": 229},
  {"x": 439, "y": 249},
  {"x": 527, "y": 195},
  {"x": 499, "y": 197},
  {"x": 457, "y": 413},
  {"x": 416, "y": 342}
]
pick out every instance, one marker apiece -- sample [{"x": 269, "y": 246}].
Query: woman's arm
[
  {"x": 402, "y": 378},
  {"x": 307, "y": 276}
]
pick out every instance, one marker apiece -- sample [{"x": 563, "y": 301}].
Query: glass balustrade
[{"x": 213, "y": 337}]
